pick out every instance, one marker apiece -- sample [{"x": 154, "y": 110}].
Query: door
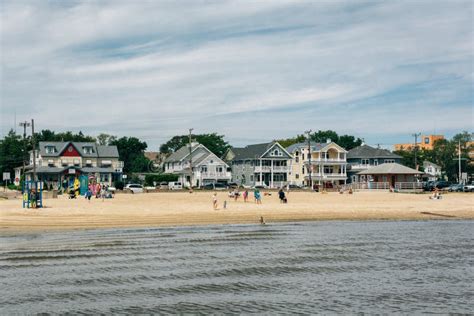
[{"x": 392, "y": 182}]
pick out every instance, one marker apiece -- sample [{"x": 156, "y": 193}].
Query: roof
[
  {"x": 182, "y": 152},
  {"x": 97, "y": 150},
  {"x": 252, "y": 151},
  {"x": 366, "y": 151},
  {"x": 314, "y": 146},
  {"x": 390, "y": 168},
  {"x": 427, "y": 163},
  {"x": 44, "y": 169}
]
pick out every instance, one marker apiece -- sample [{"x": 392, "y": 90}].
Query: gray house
[
  {"x": 365, "y": 157},
  {"x": 260, "y": 164}
]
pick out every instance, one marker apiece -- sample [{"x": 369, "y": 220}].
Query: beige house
[{"x": 328, "y": 164}]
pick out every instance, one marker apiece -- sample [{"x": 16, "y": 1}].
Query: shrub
[{"x": 163, "y": 177}]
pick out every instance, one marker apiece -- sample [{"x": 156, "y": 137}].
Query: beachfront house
[
  {"x": 365, "y": 157},
  {"x": 206, "y": 166},
  {"x": 390, "y": 175},
  {"x": 264, "y": 164},
  {"x": 432, "y": 171},
  {"x": 328, "y": 164},
  {"x": 58, "y": 164}
]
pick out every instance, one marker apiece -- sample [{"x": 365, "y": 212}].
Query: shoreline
[{"x": 160, "y": 210}]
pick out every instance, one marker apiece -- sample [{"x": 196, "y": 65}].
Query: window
[
  {"x": 328, "y": 169},
  {"x": 365, "y": 161},
  {"x": 297, "y": 159},
  {"x": 297, "y": 176},
  {"x": 50, "y": 149},
  {"x": 204, "y": 169},
  {"x": 251, "y": 177},
  {"x": 302, "y": 156},
  {"x": 88, "y": 149},
  {"x": 219, "y": 169},
  {"x": 302, "y": 170},
  {"x": 376, "y": 162},
  {"x": 104, "y": 177},
  {"x": 427, "y": 140},
  {"x": 389, "y": 161}
]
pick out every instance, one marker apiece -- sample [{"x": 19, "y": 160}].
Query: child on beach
[{"x": 214, "y": 201}]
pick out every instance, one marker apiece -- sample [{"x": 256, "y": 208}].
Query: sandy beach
[{"x": 178, "y": 209}]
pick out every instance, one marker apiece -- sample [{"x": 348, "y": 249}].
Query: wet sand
[{"x": 180, "y": 209}]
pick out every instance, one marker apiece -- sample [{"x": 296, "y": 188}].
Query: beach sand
[{"x": 179, "y": 209}]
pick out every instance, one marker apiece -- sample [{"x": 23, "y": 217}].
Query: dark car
[
  {"x": 215, "y": 186},
  {"x": 294, "y": 186},
  {"x": 233, "y": 185},
  {"x": 456, "y": 187},
  {"x": 441, "y": 185}
]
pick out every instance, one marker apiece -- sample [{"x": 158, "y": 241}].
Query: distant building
[
  {"x": 59, "y": 163},
  {"x": 392, "y": 175},
  {"x": 206, "y": 166},
  {"x": 365, "y": 157},
  {"x": 264, "y": 164},
  {"x": 328, "y": 164},
  {"x": 425, "y": 142},
  {"x": 432, "y": 170}
]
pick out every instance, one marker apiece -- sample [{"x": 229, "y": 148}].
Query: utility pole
[
  {"x": 24, "y": 124},
  {"x": 33, "y": 140},
  {"x": 416, "y": 147},
  {"x": 190, "y": 161},
  {"x": 459, "y": 161},
  {"x": 310, "y": 169}
]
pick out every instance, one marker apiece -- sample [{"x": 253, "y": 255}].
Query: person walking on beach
[
  {"x": 246, "y": 195},
  {"x": 214, "y": 201}
]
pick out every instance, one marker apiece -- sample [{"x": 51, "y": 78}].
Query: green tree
[
  {"x": 286, "y": 142},
  {"x": 214, "y": 142},
  {"x": 348, "y": 142},
  {"x": 105, "y": 139},
  {"x": 131, "y": 152},
  {"x": 51, "y": 136},
  {"x": 11, "y": 152}
]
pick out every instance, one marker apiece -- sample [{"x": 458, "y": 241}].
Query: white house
[
  {"x": 432, "y": 170},
  {"x": 206, "y": 166}
]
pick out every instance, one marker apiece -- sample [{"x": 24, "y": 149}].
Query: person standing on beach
[
  {"x": 258, "y": 197},
  {"x": 214, "y": 201},
  {"x": 246, "y": 195}
]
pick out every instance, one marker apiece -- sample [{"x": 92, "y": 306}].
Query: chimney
[{"x": 328, "y": 140}]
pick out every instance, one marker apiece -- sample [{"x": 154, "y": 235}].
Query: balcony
[
  {"x": 269, "y": 169},
  {"x": 358, "y": 167},
  {"x": 326, "y": 160},
  {"x": 215, "y": 175},
  {"x": 328, "y": 176}
]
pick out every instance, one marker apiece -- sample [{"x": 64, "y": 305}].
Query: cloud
[{"x": 153, "y": 69}]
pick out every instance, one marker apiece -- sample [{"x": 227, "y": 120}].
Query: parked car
[
  {"x": 260, "y": 186},
  {"x": 294, "y": 186},
  {"x": 232, "y": 185},
  {"x": 175, "y": 185},
  {"x": 163, "y": 186},
  {"x": 458, "y": 187},
  {"x": 215, "y": 186},
  {"x": 441, "y": 185},
  {"x": 134, "y": 188},
  {"x": 469, "y": 187}
]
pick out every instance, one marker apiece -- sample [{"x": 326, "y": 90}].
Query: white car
[
  {"x": 134, "y": 188},
  {"x": 175, "y": 185}
]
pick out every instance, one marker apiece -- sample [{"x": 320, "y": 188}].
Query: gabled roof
[
  {"x": 429, "y": 163},
  {"x": 97, "y": 150},
  {"x": 315, "y": 147},
  {"x": 182, "y": 153},
  {"x": 366, "y": 151},
  {"x": 390, "y": 168},
  {"x": 252, "y": 151}
]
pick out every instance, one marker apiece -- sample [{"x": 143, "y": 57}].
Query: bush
[
  {"x": 119, "y": 185},
  {"x": 163, "y": 177},
  {"x": 11, "y": 186}
]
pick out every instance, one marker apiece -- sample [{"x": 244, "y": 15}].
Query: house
[
  {"x": 264, "y": 164},
  {"x": 328, "y": 164},
  {"x": 426, "y": 142},
  {"x": 206, "y": 166},
  {"x": 58, "y": 164},
  {"x": 365, "y": 157},
  {"x": 389, "y": 175},
  {"x": 432, "y": 170}
]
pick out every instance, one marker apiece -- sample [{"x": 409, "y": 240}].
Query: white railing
[
  {"x": 408, "y": 185},
  {"x": 361, "y": 166},
  {"x": 321, "y": 160},
  {"x": 269, "y": 168},
  {"x": 276, "y": 184},
  {"x": 328, "y": 175},
  {"x": 216, "y": 175},
  {"x": 370, "y": 185}
]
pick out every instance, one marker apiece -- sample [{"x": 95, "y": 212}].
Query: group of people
[
  {"x": 99, "y": 191},
  {"x": 235, "y": 194}
]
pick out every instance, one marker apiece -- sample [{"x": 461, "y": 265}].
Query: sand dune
[{"x": 176, "y": 209}]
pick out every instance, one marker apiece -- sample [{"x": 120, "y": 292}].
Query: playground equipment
[{"x": 32, "y": 194}]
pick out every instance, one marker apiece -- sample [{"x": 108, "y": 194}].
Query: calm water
[{"x": 325, "y": 267}]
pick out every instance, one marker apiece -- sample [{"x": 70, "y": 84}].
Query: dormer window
[
  {"x": 50, "y": 149},
  {"x": 88, "y": 149}
]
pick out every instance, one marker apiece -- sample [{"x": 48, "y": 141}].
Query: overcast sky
[{"x": 251, "y": 70}]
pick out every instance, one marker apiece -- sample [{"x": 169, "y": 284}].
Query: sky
[{"x": 253, "y": 71}]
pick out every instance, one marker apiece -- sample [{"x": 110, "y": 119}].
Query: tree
[
  {"x": 105, "y": 139},
  {"x": 51, "y": 136},
  {"x": 214, "y": 142},
  {"x": 131, "y": 152},
  {"x": 11, "y": 152},
  {"x": 348, "y": 142},
  {"x": 287, "y": 142}
]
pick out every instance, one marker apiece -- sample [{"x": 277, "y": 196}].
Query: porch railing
[
  {"x": 370, "y": 185},
  {"x": 269, "y": 168},
  {"x": 408, "y": 185}
]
